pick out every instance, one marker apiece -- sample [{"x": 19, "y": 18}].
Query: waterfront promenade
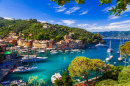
[{"x": 5, "y": 70}]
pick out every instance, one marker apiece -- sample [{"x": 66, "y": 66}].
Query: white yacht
[
  {"x": 100, "y": 45},
  {"x": 120, "y": 58},
  {"x": 55, "y": 77},
  {"x": 24, "y": 51},
  {"x": 110, "y": 49},
  {"x": 110, "y": 57},
  {"x": 60, "y": 51},
  {"x": 41, "y": 51},
  {"x": 54, "y": 52},
  {"x": 24, "y": 69},
  {"x": 33, "y": 58}
]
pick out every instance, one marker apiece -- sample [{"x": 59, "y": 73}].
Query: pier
[{"x": 6, "y": 70}]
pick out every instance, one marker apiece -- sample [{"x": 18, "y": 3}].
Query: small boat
[
  {"x": 110, "y": 49},
  {"x": 33, "y": 58},
  {"x": 118, "y": 52},
  {"x": 120, "y": 58},
  {"x": 18, "y": 83},
  {"x": 24, "y": 51},
  {"x": 111, "y": 56},
  {"x": 66, "y": 50},
  {"x": 54, "y": 52},
  {"x": 40, "y": 51},
  {"x": 5, "y": 83},
  {"x": 55, "y": 77},
  {"x": 71, "y": 52},
  {"x": 22, "y": 69},
  {"x": 60, "y": 51},
  {"x": 108, "y": 59},
  {"x": 100, "y": 45}
]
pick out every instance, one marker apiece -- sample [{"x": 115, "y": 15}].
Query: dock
[{"x": 5, "y": 71}]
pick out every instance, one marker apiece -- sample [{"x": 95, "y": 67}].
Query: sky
[{"x": 88, "y": 16}]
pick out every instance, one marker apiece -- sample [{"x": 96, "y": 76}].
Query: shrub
[
  {"x": 108, "y": 82},
  {"x": 124, "y": 75}
]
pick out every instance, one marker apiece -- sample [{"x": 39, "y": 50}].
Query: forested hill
[
  {"x": 57, "y": 32},
  {"x": 116, "y": 34}
]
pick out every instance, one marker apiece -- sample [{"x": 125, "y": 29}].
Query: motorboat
[
  {"x": 60, "y": 51},
  {"x": 118, "y": 52},
  {"x": 33, "y": 58},
  {"x": 111, "y": 56},
  {"x": 5, "y": 82},
  {"x": 55, "y": 77},
  {"x": 24, "y": 51},
  {"x": 18, "y": 83},
  {"x": 120, "y": 58},
  {"x": 54, "y": 52},
  {"x": 110, "y": 49},
  {"x": 41, "y": 51},
  {"x": 108, "y": 59},
  {"x": 22, "y": 69},
  {"x": 100, "y": 45}
]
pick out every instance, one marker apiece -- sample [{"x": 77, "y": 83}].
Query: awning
[{"x": 7, "y": 52}]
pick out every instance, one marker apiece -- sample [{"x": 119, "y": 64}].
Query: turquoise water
[{"x": 60, "y": 62}]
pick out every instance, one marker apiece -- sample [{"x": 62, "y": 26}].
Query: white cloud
[
  {"x": 42, "y": 21},
  {"x": 123, "y": 22},
  {"x": 60, "y": 9},
  {"x": 107, "y": 8},
  {"x": 68, "y": 22},
  {"x": 8, "y": 18},
  {"x": 89, "y": 25},
  {"x": 82, "y": 25},
  {"x": 84, "y": 12},
  {"x": 71, "y": 10},
  {"x": 49, "y": 4},
  {"x": 59, "y": 23},
  {"x": 115, "y": 26},
  {"x": 113, "y": 17},
  {"x": 51, "y": 21}
]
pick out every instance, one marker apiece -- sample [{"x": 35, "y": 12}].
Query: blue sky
[{"x": 88, "y": 16}]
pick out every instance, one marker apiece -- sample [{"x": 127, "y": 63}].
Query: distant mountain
[{"x": 116, "y": 34}]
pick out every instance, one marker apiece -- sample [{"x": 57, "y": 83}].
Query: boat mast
[
  {"x": 28, "y": 51},
  {"x": 110, "y": 44}
]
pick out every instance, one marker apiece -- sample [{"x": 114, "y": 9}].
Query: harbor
[{"x": 57, "y": 63}]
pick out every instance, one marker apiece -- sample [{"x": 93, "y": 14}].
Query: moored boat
[
  {"x": 24, "y": 69},
  {"x": 55, "y": 77},
  {"x": 100, "y": 45},
  {"x": 54, "y": 52},
  {"x": 33, "y": 58}
]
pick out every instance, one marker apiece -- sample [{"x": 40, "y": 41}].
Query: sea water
[{"x": 60, "y": 62}]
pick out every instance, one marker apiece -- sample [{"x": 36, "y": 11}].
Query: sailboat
[
  {"x": 110, "y": 57},
  {"x": 110, "y": 49},
  {"x": 120, "y": 58},
  {"x": 27, "y": 68}
]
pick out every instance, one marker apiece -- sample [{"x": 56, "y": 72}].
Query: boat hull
[
  {"x": 32, "y": 60},
  {"x": 32, "y": 69}
]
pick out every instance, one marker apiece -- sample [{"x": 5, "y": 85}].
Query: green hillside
[{"x": 57, "y": 32}]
